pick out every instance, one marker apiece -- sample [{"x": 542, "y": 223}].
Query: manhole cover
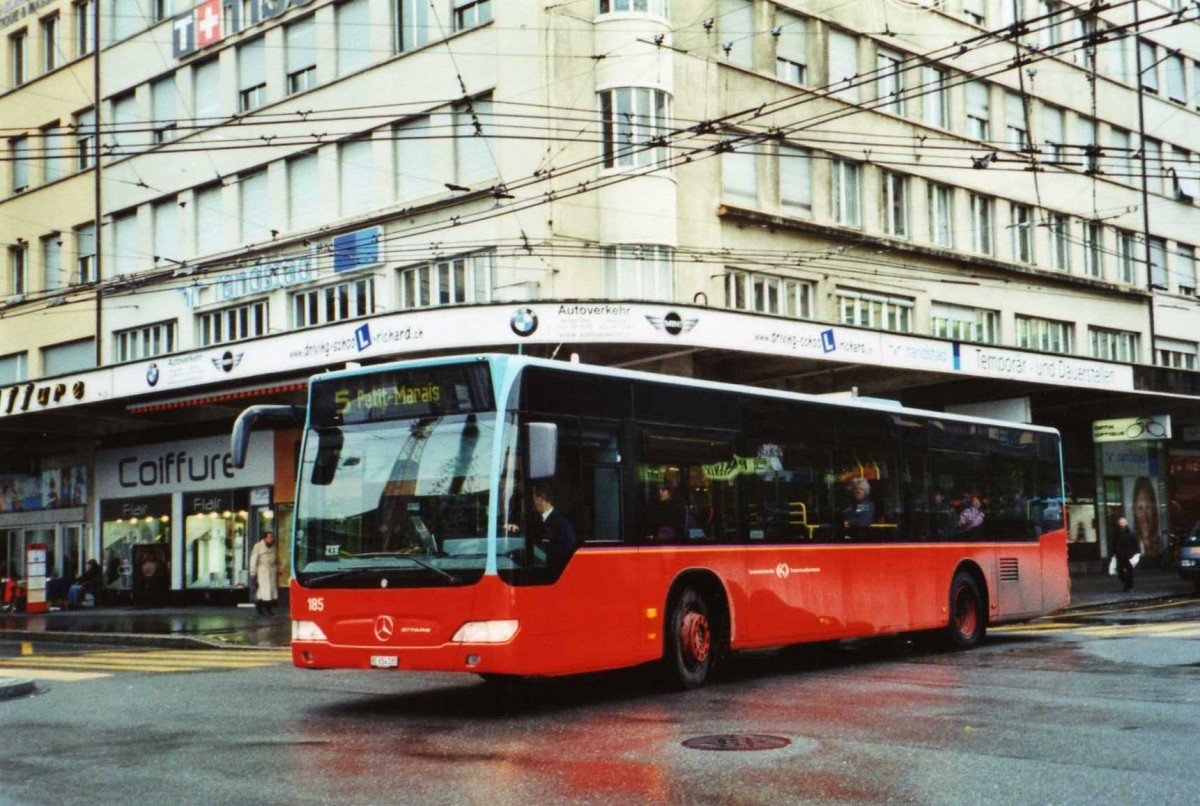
[{"x": 737, "y": 741}]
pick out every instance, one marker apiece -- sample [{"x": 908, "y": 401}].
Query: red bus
[{"x": 700, "y": 519}]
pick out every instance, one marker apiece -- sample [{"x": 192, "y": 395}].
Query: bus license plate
[{"x": 385, "y": 661}]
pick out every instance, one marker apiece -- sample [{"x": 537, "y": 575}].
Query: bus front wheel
[
  {"x": 689, "y": 650},
  {"x": 968, "y": 618}
]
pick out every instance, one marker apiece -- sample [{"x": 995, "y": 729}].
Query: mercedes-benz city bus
[{"x": 704, "y": 518}]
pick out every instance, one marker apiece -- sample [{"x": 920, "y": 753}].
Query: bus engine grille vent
[{"x": 1010, "y": 570}]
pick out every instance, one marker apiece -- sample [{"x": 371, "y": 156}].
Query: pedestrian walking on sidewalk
[
  {"x": 1125, "y": 548},
  {"x": 264, "y": 566}
]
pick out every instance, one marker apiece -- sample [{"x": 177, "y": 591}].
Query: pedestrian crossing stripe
[
  {"x": 52, "y": 674},
  {"x": 143, "y": 661},
  {"x": 1178, "y": 629}
]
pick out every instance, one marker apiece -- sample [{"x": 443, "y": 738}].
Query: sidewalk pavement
[{"x": 241, "y": 626}]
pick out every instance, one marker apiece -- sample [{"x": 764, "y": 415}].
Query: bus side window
[{"x": 600, "y": 483}]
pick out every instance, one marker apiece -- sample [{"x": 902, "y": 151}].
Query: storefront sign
[
  {"x": 213, "y": 20},
  {"x": 13, "y": 11},
  {"x": 356, "y": 250},
  {"x": 187, "y": 466},
  {"x": 126, "y": 509},
  {"x": 1058, "y": 370},
  {"x": 249, "y": 282},
  {"x": 1127, "y": 460},
  {"x": 1132, "y": 429}
]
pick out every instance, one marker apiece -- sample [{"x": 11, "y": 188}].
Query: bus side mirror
[
  {"x": 240, "y": 440},
  {"x": 543, "y": 449}
]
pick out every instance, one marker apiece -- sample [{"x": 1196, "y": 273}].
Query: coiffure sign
[
  {"x": 213, "y": 20},
  {"x": 194, "y": 465}
]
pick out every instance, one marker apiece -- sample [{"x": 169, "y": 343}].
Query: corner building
[{"x": 965, "y": 206}]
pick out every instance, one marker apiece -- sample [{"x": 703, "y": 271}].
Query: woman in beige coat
[{"x": 264, "y": 567}]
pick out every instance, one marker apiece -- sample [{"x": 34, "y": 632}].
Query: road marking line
[
  {"x": 109, "y": 667},
  {"x": 53, "y": 674}
]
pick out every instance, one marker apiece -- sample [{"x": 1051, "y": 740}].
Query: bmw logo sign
[
  {"x": 524, "y": 322},
  {"x": 152, "y": 374}
]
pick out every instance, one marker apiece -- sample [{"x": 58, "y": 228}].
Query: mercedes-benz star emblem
[{"x": 384, "y": 627}]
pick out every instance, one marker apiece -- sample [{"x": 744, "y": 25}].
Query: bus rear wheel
[
  {"x": 689, "y": 640},
  {"x": 968, "y": 618}
]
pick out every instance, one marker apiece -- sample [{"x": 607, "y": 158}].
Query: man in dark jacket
[
  {"x": 558, "y": 535},
  {"x": 1125, "y": 546}
]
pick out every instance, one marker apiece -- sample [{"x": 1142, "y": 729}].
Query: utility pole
[{"x": 97, "y": 195}]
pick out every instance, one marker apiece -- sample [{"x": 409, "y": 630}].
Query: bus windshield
[{"x": 402, "y": 502}]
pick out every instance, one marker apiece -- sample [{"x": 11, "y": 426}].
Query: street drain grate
[{"x": 737, "y": 741}]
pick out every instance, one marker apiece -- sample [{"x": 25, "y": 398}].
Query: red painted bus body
[
  {"x": 415, "y": 547},
  {"x": 606, "y": 610}
]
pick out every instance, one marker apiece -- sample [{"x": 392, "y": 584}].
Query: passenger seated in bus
[
  {"x": 858, "y": 516},
  {"x": 666, "y": 516},
  {"x": 942, "y": 519},
  {"x": 970, "y": 519},
  {"x": 557, "y": 535}
]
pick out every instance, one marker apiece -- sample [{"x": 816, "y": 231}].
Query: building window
[
  {"x": 85, "y": 254},
  {"x": 767, "y": 293},
  {"x": 125, "y": 251},
  {"x": 1114, "y": 345},
  {"x": 846, "y": 193},
  {"x": 301, "y": 42},
  {"x": 1175, "y": 83},
  {"x": 1060, "y": 244},
  {"x": 166, "y": 231},
  {"x": 53, "y": 145},
  {"x": 655, "y": 7},
  {"x": 795, "y": 180},
  {"x": 456, "y": 281},
  {"x": 206, "y": 92},
  {"x": 1167, "y": 353},
  {"x": 13, "y": 368},
  {"x": 1017, "y": 131},
  {"x": 1185, "y": 268},
  {"x": 1158, "y": 264},
  {"x": 125, "y": 125},
  {"x": 1088, "y": 144},
  {"x": 163, "y": 9},
  {"x": 639, "y": 272},
  {"x": 1022, "y": 233},
  {"x": 18, "y": 150},
  {"x": 355, "y": 177},
  {"x": 875, "y": 311},
  {"x": 981, "y": 224},
  {"x": 253, "y": 207},
  {"x": 144, "y": 342},
  {"x": 416, "y": 24},
  {"x": 895, "y": 204},
  {"x": 978, "y": 111},
  {"x": 1127, "y": 259},
  {"x": 52, "y": 274},
  {"x": 18, "y": 269},
  {"x": 962, "y": 323},
  {"x": 71, "y": 356},
  {"x": 252, "y": 75},
  {"x": 735, "y": 24},
  {"x": 937, "y": 108},
  {"x": 1045, "y": 335},
  {"x": 1053, "y": 130},
  {"x": 890, "y": 80},
  {"x": 334, "y": 303},
  {"x": 1152, "y": 164},
  {"x": 469, "y": 13},
  {"x": 739, "y": 177},
  {"x": 1093, "y": 255},
  {"x": 125, "y": 19},
  {"x": 941, "y": 215},
  {"x": 791, "y": 47},
  {"x": 162, "y": 109},
  {"x": 843, "y": 65},
  {"x": 353, "y": 36},
  {"x": 973, "y": 11},
  {"x": 50, "y": 45},
  {"x": 303, "y": 195},
  {"x": 1149, "y": 66},
  {"x": 633, "y": 119},
  {"x": 18, "y": 58},
  {"x": 211, "y": 230},
  {"x": 415, "y": 168},
  {"x": 82, "y": 13},
  {"x": 1121, "y": 166},
  {"x": 233, "y": 324},
  {"x": 473, "y": 159},
  {"x": 1052, "y": 25}
]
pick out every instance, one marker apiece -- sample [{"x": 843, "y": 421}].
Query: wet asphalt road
[{"x": 1099, "y": 708}]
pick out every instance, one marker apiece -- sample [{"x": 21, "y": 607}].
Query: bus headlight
[
  {"x": 485, "y": 632},
  {"x": 307, "y": 631}
]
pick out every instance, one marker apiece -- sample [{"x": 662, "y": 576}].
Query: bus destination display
[{"x": 402, "y": 394}]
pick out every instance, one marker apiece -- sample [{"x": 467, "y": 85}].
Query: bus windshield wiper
[
  {"x": 454, "y": 580},
  {"x": 345, "y": 572}
]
